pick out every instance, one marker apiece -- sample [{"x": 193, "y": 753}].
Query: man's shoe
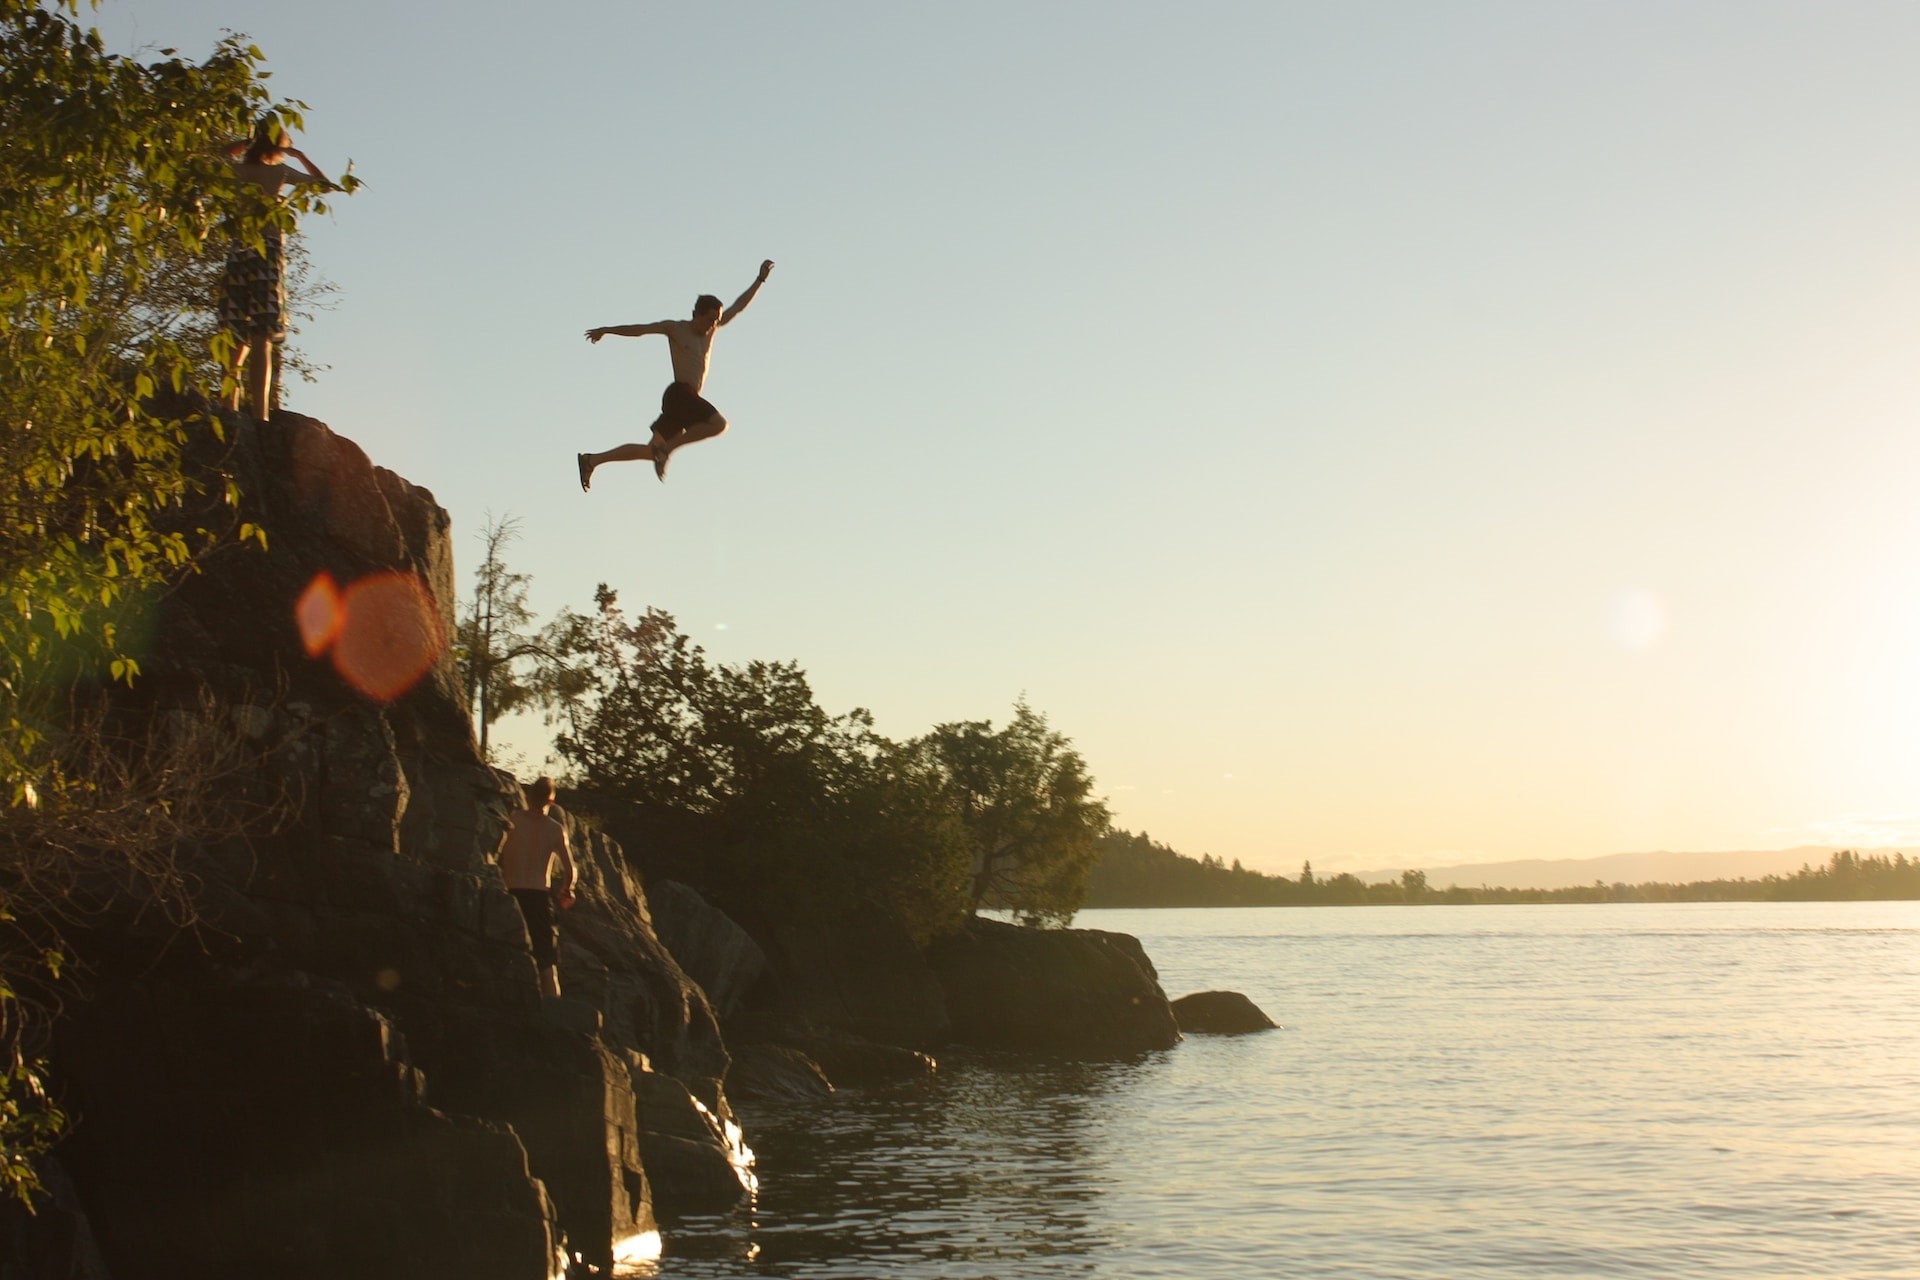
[
  {"x": 659, "y": 462},
  {"x": 586, "y": 472}
]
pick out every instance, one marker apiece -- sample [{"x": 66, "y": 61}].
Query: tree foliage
[
  {"x": 820, "y": 812},
  {"x": 110, "y": 178},
  {"x": 1137, "y": 871},
  {"x": 114, "y": 198},
  {"x": 506, "y": 664},
  {"x": 1026, "y": 799}
]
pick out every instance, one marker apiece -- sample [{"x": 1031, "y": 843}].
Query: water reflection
[
  {"x": 637, "y": 1257},
  {"x": 995, "y": 1161}
]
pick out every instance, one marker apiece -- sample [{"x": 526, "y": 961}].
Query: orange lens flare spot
[
  {"x": 383, "y": 629},
  {"x": 318, "y": 614}
]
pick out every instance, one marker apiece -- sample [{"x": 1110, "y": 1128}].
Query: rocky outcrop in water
[
  {"x": 1084, "y": 992},
  {"x": 1220, "y": 1013}
]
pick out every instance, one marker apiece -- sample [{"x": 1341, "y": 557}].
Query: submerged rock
[
  {"x": 774, "y": 1072},
  {"x": 842, "y": 1057},
  {"x": 1220, "y": 1013}
]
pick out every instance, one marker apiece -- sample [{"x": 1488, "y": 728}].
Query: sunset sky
[{"x": 1389, "y": 434}]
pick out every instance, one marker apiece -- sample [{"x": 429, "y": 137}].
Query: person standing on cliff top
[
  {"x": 684, "y": 417},
  {"x": 534, "y": 842},
  {"x": 253, "y": 295}
]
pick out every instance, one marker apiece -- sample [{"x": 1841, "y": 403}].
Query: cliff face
[{"x": 345, "y": 1067}]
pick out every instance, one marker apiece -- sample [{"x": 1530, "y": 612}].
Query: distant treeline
[{"x": 1136, "y": 871}]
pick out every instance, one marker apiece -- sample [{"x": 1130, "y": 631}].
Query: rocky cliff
[{"x": 342, "y": 1065}]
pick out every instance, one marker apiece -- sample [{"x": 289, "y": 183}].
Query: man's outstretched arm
[
  {"x": 627, "y": 330},
  {"x": 740, "y": 303}
]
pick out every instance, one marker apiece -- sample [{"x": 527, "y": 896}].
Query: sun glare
[{"x": 1636, "y": 620}]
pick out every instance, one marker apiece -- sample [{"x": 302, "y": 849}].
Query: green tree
[
  {"x": 631, "y": 729},
  {"x": 111, "y": 190},
  {"x": 110, "y": 178},
  {"x": 820, "y": 813},
  {"x": 1026, "y": 800},
  {"x": 505, "y": 664}
]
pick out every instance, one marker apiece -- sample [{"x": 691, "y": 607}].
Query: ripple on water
[{"x": 1458, "y": 1092}]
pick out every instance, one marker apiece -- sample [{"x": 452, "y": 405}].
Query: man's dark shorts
[
  {"x": 542, "y": 930},
  {"x": 681, "y": 407}
]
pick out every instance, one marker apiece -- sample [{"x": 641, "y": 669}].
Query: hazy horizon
[{"x": 1635, "y": 867}]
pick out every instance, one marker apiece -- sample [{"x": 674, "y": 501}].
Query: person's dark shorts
[
  {"x": 253, "y": 300},
  {"x": 542, "y": 931},
  {"x": 681, "y": 407}
]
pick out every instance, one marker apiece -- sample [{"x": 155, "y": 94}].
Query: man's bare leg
[
  {"x": 589, "y": 462},
  {"x": 698, "y": 431}
]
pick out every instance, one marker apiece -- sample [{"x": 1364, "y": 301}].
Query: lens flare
[
  {"x": 318, "y": 614},
  {"x": 383, "y": 630}
]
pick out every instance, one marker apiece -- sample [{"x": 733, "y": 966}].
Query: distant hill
[
  {"x": 1620, "y": 868},
  {"x": 1138, "y": 871}
]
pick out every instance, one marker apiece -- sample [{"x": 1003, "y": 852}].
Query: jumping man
[{"x": 684, "y": 416}]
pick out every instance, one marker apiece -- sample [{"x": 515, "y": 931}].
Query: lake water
[{"x": 1511, "y": 1091}]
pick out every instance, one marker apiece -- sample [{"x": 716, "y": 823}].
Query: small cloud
[{"x": 719, "y": 626}]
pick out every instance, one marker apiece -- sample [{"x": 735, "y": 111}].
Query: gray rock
[
  {"x": 714, "y": 951},
  {"x": 281, "y": 1130},
  {"x": 864, "y": 978},
  {"x": 1220, "y": 1013},
  {"x": 774, "y": 1072},
  {"x": 1083, "y": 992},
  {"x": 400, "y": 1102},
  {"x": 842, "y": 1058},
  {"x": 698, "y": 1159}
]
